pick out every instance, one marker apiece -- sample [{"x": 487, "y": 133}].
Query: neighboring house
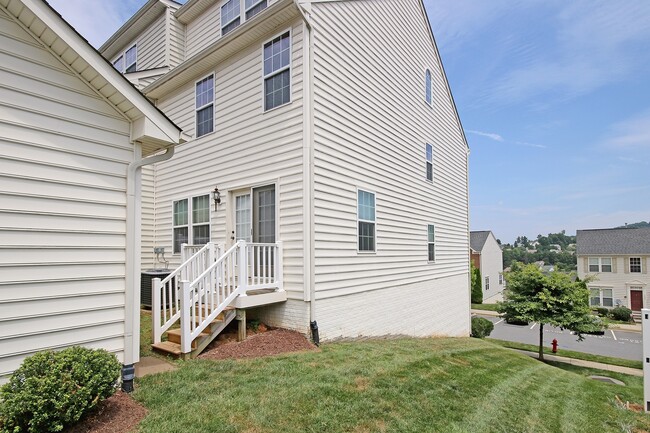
[
  {"x": 73, "y": 134},
  {"x": 324, "y": 132},
  {"x": 617, "y": 260},
  {"x": 486, "y": 255}
]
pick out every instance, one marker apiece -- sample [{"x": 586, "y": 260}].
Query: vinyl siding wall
[
  {"x": 176, "y": 39},
  {"x": 371, "y": 127},
  {"x": 248, "y": 148},
  {"x": 491, "y": 266},
  {"x": 205, "y": 29},
  {"x": 63, "y": 161},
  {"x": 150, "y": 46},
  {"x": 148, "y": 234},
  {"x": 620, "y": 279}
]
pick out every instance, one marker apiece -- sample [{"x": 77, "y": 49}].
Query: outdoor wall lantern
[{"x": 216, "y": 196}]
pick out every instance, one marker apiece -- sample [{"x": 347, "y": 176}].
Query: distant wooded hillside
[{"x": 634, "y": 225}]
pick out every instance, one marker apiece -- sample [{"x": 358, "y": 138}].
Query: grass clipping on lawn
[{"x": 406, "y": 385}]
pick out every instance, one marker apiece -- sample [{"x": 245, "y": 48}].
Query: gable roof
[
  {"x": 477, "y": 240},
  {"x": 613, "y": 241},
  {"x": 131, "y": 29},
  {"x": 149, "y": 125}
]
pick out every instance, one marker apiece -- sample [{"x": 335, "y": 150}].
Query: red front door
[{"x": 636, "y": 300}]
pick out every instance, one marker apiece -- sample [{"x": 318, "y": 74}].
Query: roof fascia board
[{"x": 80, "y": 46}]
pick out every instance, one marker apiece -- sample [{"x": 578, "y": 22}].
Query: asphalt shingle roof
[
  {"x": 613, "y": 241},
  {"x": 477, "y": 240}
]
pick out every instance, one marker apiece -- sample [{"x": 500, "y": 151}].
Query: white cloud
[
  {"x": 490, "y": 135},
  {"x": 632, "y": 133}
]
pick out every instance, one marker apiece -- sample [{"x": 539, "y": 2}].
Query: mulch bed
[
  {"x": 265, "y": 343},
  {"x": 117, "y": 414},
  {"x": 121, "y": 414}
]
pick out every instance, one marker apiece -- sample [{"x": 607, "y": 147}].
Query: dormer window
[{"x": 131, "y": 59}]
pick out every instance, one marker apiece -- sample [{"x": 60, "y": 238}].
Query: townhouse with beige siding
[
  {"x": 73, "y": 136},
  {"x": 326, "y": 185},
  {"x": 487, "y": 256},
  {"x": 617, "y": 262}
]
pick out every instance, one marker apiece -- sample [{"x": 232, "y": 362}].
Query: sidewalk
[
  {"x": 631, "y": 328},
  {"x": 588, "y": 364}
]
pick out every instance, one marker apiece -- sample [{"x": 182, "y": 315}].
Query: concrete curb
[
  {"x": 588, "y": 364},
  {"x": 621, "y": 327},
  {"x": 485, "y": 313}
]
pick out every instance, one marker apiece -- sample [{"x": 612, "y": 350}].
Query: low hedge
[{"x": 481, "y": 327}]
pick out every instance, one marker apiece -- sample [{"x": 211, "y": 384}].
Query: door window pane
[{"x": 243, "y": 217}]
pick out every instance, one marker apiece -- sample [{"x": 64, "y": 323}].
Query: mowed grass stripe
[{"x": 402, "y": 385}]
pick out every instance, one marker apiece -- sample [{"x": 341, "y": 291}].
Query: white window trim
[
  {"x": 600, "y": 293},
  {"x": 135, "y": 62},
  {"x": 289, "y": 67},
  {"x": 241, "y": 20},
  {"x": 123, "y": 56},
  {"x": 197, "y": 109},
  {"x": 428, "y": 242},
  {"x": 365, "y": 221},
  {"x": 501, "y": 278},
  {"x": 487, "y": 282},
  {"x": 428, "y": 89},
  {"x": 600, "y": 265},
  {"x": 243, "y": 4},
  {"x": 190, "y": 225},
  {"x": 629, "y": 264},
  {"x": 426, "y": 146},
  {"x": 242, "y": 14}
]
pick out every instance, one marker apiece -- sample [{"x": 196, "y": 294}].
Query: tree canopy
[{"x": 554, "y": 299}]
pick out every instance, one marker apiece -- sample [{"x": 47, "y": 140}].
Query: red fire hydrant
[{"x": 554, "y": 344}]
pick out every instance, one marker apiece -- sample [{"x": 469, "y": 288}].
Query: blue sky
[{"x": 554, "y": 97}]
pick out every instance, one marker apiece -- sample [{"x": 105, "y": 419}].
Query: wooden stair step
[
  {"x": 174, "y": 336},
  {"x": 167, "y": 347}
]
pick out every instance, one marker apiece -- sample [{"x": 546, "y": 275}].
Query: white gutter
[{"x": 133, "y": 229}]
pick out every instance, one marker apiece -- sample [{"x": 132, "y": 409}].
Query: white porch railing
[
  {"x": 166, "y": 306},
  {"x": 201, "y": 293}
]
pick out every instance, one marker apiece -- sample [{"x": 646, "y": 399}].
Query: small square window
[{"x": 635, "y": 264}]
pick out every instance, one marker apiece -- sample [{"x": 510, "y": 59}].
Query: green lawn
[
  {"x": 570, "y": 354},
  {"x": 485, "y": 307},
  {"x": 404, "y": 385}
]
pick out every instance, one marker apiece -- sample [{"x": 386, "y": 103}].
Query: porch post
[
  {"x": 156, "y": 310},
  {"x": 243, "y": 267},
  {"x": 279, "y": 270},
  {"x": 186, "y": 312}
]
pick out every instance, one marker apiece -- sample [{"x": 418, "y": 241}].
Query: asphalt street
[{"x": 619, "y": 344}]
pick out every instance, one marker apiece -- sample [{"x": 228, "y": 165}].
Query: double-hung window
[
  {"x": 366, "y": 221},
  {"x": 600, "y": 297},
  {"x": 205, "y": 106},
  {"x": 500, "y": 278},
  {"x": 427, "y": 84},
  {"x": 130, "y": 59},
  {"x": 191, "y": 221},
  {"x": 600, "y": 264},
  {"x": 635, "y": 265},
  {"x": 230, "y": 16},
  {"x": 487, "y": 283},
  {"x": 431, "y": 242},
  {"x": 253, "y": 7},
  {"x": 429, "y": 162},
  {"x": 277, "y": 72}
]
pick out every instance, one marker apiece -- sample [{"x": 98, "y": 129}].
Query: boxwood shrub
[
  {"x": 481, "y": 327},
  {"x": 52, "y": 390},
  {"x": 623, "y": 314}
]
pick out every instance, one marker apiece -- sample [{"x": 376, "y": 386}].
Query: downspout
[
  {"x": 469, "y": 267},
  {"x": 308, "y": 172},
  {"x": 132, "y": 298}
]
